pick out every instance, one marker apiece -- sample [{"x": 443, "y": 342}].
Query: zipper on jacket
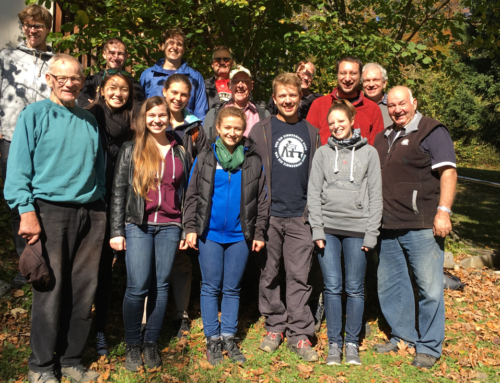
[
  {"x": 159, "y": 189},
  {"x": 389, "y": 153},
  {"x": 227, "y": 205}
]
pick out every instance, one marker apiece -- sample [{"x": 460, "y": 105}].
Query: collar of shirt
[{"x": 384, "y": 99}]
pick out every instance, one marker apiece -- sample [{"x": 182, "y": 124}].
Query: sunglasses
[
  {"x": 220, "y": 59},
  {"x": 115, "y": 71}
]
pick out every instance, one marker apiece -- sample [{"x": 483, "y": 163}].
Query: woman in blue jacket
[{"x": 227, "y": 210}]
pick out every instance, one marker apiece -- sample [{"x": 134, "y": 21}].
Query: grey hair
[
  {"x": 379, "y": 67},
  {"x": 64, "y": 57},
  {"x": 222, "y": 48},
  {"x": 405, "y": 87}
]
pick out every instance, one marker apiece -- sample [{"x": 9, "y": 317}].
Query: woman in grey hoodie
[{"x": 345, "y": 208}]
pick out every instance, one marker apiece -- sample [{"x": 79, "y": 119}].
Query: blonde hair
[
  {"x": 146, "y": 156},
  {"x": 287, "y": 79}
]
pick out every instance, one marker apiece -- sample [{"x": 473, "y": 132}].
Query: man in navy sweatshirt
[{"x": 56, "y": 181}]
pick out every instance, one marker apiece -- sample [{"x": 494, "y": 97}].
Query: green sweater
[{"x": 55, "y": 155}]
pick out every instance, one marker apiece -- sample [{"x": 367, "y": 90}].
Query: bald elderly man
[
  {"x": 56, "y": 181},
  {"x": 419, "y": 179}
]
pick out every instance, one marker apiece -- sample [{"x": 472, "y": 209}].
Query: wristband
[{"x": 444, "y": 208}]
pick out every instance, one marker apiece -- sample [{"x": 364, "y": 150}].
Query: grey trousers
[{"x": 291, "y": 239}]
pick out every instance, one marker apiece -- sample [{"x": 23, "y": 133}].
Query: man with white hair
[
  {"x": 56, "y": 181},
  {"x": 374, "y": 80},
  {"x": 419, "y": 180}
]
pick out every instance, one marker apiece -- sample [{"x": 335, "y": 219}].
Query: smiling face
[
  {"x": 231, "y": 131},
  {"x": 177, "y": 96},
  {"x": 36, "y": 34},
  {"x": 66, "y": 81},
  {"x": 157, "y": 120},
  {"x": 115, "y": 92},
  {"x": 400, "y": 106},
  {"x": 340, "y": 125},
  {"x": 305, "y": 72},
  {"x": 174, "y": 48},
  {"x": 287, "y": 100},
  {"x": 221, "y": 65},
  {"x": 373, "y": 84},
  {"x": 348, "y": 78},
  {"x": 241, "y": 86},
  {"x": 115, "y": 56}
]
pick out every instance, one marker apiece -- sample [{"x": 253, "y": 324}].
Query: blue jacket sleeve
[{"x": 201, "y": 104}]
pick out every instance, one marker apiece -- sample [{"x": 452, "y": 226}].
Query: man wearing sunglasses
[
  {"x": 217, "y": 87},
  {"x": 22, "y": 82},
  {"x": 306, "y": 71},
  {"x": 115, "y": 55}
]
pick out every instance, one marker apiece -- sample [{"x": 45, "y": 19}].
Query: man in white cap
[{"x": 241, "y": 86}]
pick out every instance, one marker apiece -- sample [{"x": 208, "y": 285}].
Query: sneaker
[
  {"x": 229, "y": 345},
  {"x": 214, "y": 351},
  {"x": 424, "y": 360},
  {"x": 386, "y": 348},
  {"x": 133, "y": 356},
  {"x": 152, "y": 357},
  {"x": 303, "y": 348},
  {"x": 334, "y": 357},
  {"x": 352, "y": 354},
  {"x": 79, "y": 374},
  {"x": 181, "y": 326},
  {"x": 19, "y": 281},
  {"x": 42, "y": 377},
  {"x": 101, "y": 345},
  {"x": 271, "y": 341}
]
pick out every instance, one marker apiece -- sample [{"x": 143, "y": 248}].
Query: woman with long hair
[
  {"x": 112, "y": 109},
  {"x": 225, "y": 216},
  {"x": 146, "y": 221},
  {"x": 345, "y": 209}
]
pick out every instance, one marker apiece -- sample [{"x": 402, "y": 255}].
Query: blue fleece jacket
[
  {"x": 152, "y": 80},
  {"x": 225, "y": 224},
  {"x": 55, "y": 155}
]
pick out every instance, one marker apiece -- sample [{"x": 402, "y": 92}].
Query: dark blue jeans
[
  {"x": 424, "y": 254},
  {"x": 149, "y": 257},
  {"x": 355, "y": 265},
  {"x": 222, "y": 267}
]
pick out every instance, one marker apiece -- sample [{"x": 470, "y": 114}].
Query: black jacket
[
  {"x": 93, "y": 82},
  {"x": 254, "y": 209},
  {"x": 211, "y": 92},
  {"x": 126, "y": 205},
  {"x": 304, "y": 106}
]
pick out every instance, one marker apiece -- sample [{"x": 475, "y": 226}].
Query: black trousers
[{"x": 72, "y": 236}]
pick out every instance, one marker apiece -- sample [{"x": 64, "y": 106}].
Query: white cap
[{"x": 239, "y": 68}]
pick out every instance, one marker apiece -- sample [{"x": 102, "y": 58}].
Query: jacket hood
[
  {"x": 362, "y": 142},
  {"x": 190, "y": 121},
  {"x": 23, "y": 47}
]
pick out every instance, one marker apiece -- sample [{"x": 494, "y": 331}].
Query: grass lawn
[{"x": 470, "y": 351}]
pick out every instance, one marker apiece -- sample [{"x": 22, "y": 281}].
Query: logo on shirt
[
  {"x": 290, "y": 150},
  {"x": 405, "y": 142}
]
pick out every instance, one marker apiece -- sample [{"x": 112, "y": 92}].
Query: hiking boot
[
  {"x": 303, "y": 348},
  {"x": 181, "y": 326},
  {"x": 79, "y": 374},
  {"x": 352, "y": 354},
  {"x": 152, "y": 357},
  {"x": 42, "y": 377},
  {"x": 368, "y": 330},
  {"x": 101, "y": 345},
  {"x": 386, "y": 348},
  {"x": 334, "y": 357},
  {"x": 271, "y": 341},
  {"x": 19, "y": 281},
  {"x": 214, "y": 351},
  {"x": 424, "y": 360},
  {"x": 133, "y": 356},
  {"x": 229, "y": 345}
]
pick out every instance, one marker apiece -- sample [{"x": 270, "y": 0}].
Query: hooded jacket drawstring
[
  {"x": 351, "y": 178},
  {"x": 336, "y": 169},
  {"x": 173, "y": 161},
  {"x": 40, "y": 63}
]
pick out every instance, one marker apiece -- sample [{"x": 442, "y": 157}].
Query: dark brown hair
[
  {"x": 129, "y": 105},
  {"x": 36, "y": 12},
  {"x": 350, "y": 59},
  {"x": 343, "y": 105},
  {"x": 169, "y": 33},
  {"x": 178, "y": 78},
  {"x": 231, "y": 111}
]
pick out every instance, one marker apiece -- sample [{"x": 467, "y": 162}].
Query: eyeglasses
[
  {"x": 62, "y": 80},
  {"x": 115, "y": 71},
  {"x": 305, "y": 74},
  {"x": 236, "y": 82},
  {"x": 36, "y": 27},
  {"x": 220, "y": 59}
]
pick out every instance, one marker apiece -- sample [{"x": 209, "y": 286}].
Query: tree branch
[
  {"x": 426, "y": 19},
  {"x": 404, "y": 22}
]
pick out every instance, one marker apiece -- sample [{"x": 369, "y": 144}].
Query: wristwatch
[{"x": 444, "y": 208}]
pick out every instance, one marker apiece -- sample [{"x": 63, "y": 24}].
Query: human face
[
  {"x": 116, "y": 92},
  {"x": 115, "y": 56},
  {"x": 287, "y": 100},
  {"x": 221, "y": 67},
  {"x": 373, "y": 84},
  {"x": 174, "y": 48},
  {"x": 401, "y": 109},
  {"x": 177, "y": 96},
  {"x": 36, "y": 34},
  {"x": 231, "y": 131},
  {"x": 241, "y": 86},
  {"x": 305, "y": 72},
  {"x": 340, "y": 125},
  {"x": 348, "y": 79},
  {"x": 157, "y": 120},
  {"x": 65, "y": 92}
]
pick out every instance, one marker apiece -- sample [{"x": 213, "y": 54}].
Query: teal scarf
[{"x": 227, "y": 160}]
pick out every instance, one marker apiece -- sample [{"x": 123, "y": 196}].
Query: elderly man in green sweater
[{"x": 56, "y": 181}]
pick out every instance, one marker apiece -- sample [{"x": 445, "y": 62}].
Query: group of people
[{"x": 174, "y": 165}]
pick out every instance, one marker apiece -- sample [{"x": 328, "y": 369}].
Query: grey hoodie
[
  {"x": 22, "y": 82},
  {"x": 345, "y": 190}
]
